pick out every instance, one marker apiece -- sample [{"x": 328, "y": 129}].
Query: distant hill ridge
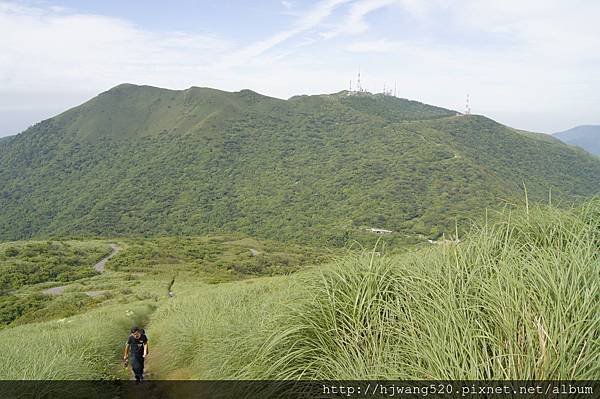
[
  {"x": 146, "y": 160},
  {"x": 586, "y": 137}
]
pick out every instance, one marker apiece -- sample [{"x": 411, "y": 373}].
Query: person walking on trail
[
  {"x": 170, "y": 292},
  {"x": 136, "y": 350}
]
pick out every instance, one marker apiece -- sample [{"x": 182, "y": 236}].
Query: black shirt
[{"x": 136, "y": 345}]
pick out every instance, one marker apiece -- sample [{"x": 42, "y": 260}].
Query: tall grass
[
  {"x": 84, "y": 347},
  {"x": 211, "y": 331},
  {"x": 518, "y": 299}
]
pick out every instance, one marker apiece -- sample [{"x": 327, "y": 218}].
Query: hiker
[
  {"x": 170, "y": 292},
  {"x": 136, "y": 349}
]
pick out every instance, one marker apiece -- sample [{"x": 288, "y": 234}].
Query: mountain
[
  {"x": 324, "y": 168},
  {"x": 5, "y": 139},
  {"x": 586, "y": 137}
]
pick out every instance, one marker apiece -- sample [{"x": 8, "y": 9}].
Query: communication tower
[
  {"x": 359, "y": 88},
  {"x": 468, "y": 106}
]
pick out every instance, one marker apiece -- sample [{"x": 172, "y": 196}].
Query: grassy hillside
[
  {"x": 220, "y": 337},
  {"x": 321, "y": 169},
  {"x": 55, "y": 279},
  {"x": 515, "y": 299},
  {"x": 586, "y": 137},
  {"x": 24, "y": 263},
  {"x": 215, "y": 259},
  {"x": 86, "y": 347}
]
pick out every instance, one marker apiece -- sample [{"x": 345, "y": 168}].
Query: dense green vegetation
[
  {"x": 319, "y": 169},
  {"x": 28, "y": 263},
  {"x": 29, "y": 269},
  {"x": 515, "y": 299},
  {"x": 215, "y": 258},
  {"x": 181, "y": 180},
  {"x": 5, "y": 139},
  {"x": 14, "y": 307}
]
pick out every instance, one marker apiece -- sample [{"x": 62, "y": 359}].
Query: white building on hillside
[{"x": 379, "y": 231}]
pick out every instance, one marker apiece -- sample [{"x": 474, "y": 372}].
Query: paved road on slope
[{"x": 98, "y": 267}]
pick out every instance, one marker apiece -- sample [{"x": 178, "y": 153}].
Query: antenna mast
[{"x": 468, "y": 106}]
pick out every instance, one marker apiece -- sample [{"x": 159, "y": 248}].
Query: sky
[{"x": 533, "y": 65}]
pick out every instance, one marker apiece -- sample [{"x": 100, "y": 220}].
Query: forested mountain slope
[
  {"x": 586, "y": 137},
  {"x": 144, "y": 160}
]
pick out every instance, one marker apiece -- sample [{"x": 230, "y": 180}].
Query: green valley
[{"x": 56, "y": 279}]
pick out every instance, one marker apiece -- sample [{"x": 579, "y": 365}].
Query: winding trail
[
  {"x": 99, "y": 267},
  {"x": 55, "y": 290}
]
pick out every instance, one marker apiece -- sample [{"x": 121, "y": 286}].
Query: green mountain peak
[{"x": 147, "y": 160}]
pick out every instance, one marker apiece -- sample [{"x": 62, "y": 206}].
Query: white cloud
[
  {"x": 305, "y": 22},
  {"x": 519, "y": 60},
  {"x": 354, "y": 22},
  {"x": 534, "y": 64},
  {"x": 43, "y": 48},
  {"x": 376, "y": 46}
]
